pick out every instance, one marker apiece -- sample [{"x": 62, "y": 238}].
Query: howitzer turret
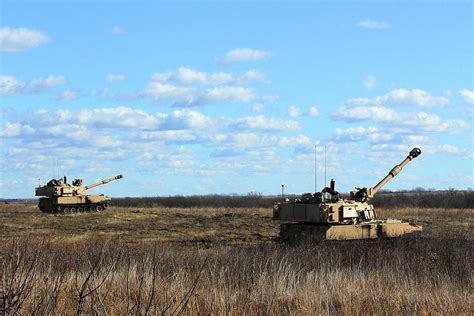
[
  {"x": 327, "y": 215},
  {"x": 61, "y": 197}
]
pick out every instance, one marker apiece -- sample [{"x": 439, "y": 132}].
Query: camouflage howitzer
[
  {"x": 60, "y": 197},
  {"x": 327, "y": 215}
]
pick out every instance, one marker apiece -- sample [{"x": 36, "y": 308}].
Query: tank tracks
[{"x": 74, "y": 208}]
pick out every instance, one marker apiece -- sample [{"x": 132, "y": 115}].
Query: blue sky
[{"x": 208, "y": 97}]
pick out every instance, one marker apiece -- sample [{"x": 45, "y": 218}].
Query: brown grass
[{"x": 226, "y": 261}]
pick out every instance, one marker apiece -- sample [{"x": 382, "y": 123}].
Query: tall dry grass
[{"x": 407, "y": 275}]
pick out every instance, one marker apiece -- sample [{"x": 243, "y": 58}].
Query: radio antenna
[
  {"x": 324, "y": 190},
  {"x": 325, "y": 167},
  {"x": 315, "y": 168}
]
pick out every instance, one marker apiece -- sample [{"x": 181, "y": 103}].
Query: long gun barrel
[
  {"x": 415, "y": 152},
  {"x": 103, "y": 182},
  {"x": 364, "y": 194}
]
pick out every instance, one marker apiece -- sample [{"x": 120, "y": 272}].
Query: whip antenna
[{"x": 315, "y": 169}]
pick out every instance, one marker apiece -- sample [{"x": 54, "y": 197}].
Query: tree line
[{"x": 415, "y": 198}]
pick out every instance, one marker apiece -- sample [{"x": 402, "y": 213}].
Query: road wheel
[
  {"x": 93, "y": 208},
  {"x": 99, "y": 208},
  {"x": 66, "y": 210},
  {"x": 73, "y": 209},
  {"x": 80, "y": 209},
  {"x": 86, "y": 209}
]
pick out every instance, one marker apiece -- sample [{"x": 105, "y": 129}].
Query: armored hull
[
  {"x": 58, "y": 204},
  {"x": 60, "y": 197},
  {"x": 371, "y": 230}
]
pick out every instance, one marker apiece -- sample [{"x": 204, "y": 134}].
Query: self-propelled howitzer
[
  {"x": 60, "y": 197},
  {"x": 327, "y": 215}
]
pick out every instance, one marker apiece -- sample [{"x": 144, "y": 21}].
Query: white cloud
[
  {"x": 426, "y": 148},
  {"x": 252, "y": 75},
  {"x": 117, "y": 117},
  {"x": 468, "y": 96},
  {"x": 185, "y": 119},
  {"x": 68, "y": 95},
  {"x": 194, "y": 97},
  {"x": 370, "y": 82},
  {"x": 409, "y": 121},
  {"x": 242, "y": 55},
  {"x": 15, "y": 130},
  {"x": 372, "y": 24},
  {"x": 432, "y": 123},
  {"x": 117, "y": 30},
  {"x": 21, "y": 39},
  {"x": 230, "y": 93},
  {"x": 42, "y": 84},
  {"x": 264, "y": 123},
  {"x": 401, "y": 97},
  {"x": 114, "y": 117},
  {"x": 162, "y": 91},
  {"x": 363, "y": 113},
  {"x": 313, "y": 111},
  {"x": 188, "y": 76},
  {"x": 115, "y": 77},
  {"x": 10, "y": 85},
  {"x": 294, "y": 111},
  {"x": 359, "y": 133}
]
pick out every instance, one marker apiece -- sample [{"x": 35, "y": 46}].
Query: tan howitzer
[
  {"x": 364, "y": 194},
  {"x": 90, "y": 186}
]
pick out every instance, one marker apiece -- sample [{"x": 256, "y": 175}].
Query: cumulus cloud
[
  {"x": 468, "y": 96},
  {"x": 313, "y": 111},
  {"x": 372, "y": 24},
  {"x": 215, "y": 130},
  {"x": 242, "y": 55},
  {"x": 402, "y": 97},
  {"x": 360, "y": 133},
  {"x": 21, "y": 39},
  {"x": 11, "y": 86},
  {"x": 264, "y": 123},
  {"x": 188, "y": 87},
  {"x": 162, "y": 91},
  {"x": 115, "y": 77},
  {"x": 100, "y": 118},
  {"x": 68, "y": 95},
  {"x": 230, "y": 93},
  {"x": 190, "y": 76},
  {"x": 294, "y": 111},
  {"x": 370, "y": 82},
  {"x": 427, "y": 148},
  {"x": 185, "y": 119},
  {"x": 190, "y": 96},
  {"x": 15, "y": 130},
  {"x": 365, "y": 113},
  {"x": 415, "y": 121}
]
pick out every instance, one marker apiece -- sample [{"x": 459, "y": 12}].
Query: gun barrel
[
  {"x": 415, "y": 152},
  {"x": 103, "y": 182}
]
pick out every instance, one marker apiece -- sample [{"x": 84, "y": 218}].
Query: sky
[{"x": 235, "y": 97}]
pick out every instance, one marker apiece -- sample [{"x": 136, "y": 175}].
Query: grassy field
[{"x": 228, "y": 261}]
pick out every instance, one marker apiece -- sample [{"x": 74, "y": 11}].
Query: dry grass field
[{"x": 227, "y": 261}]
